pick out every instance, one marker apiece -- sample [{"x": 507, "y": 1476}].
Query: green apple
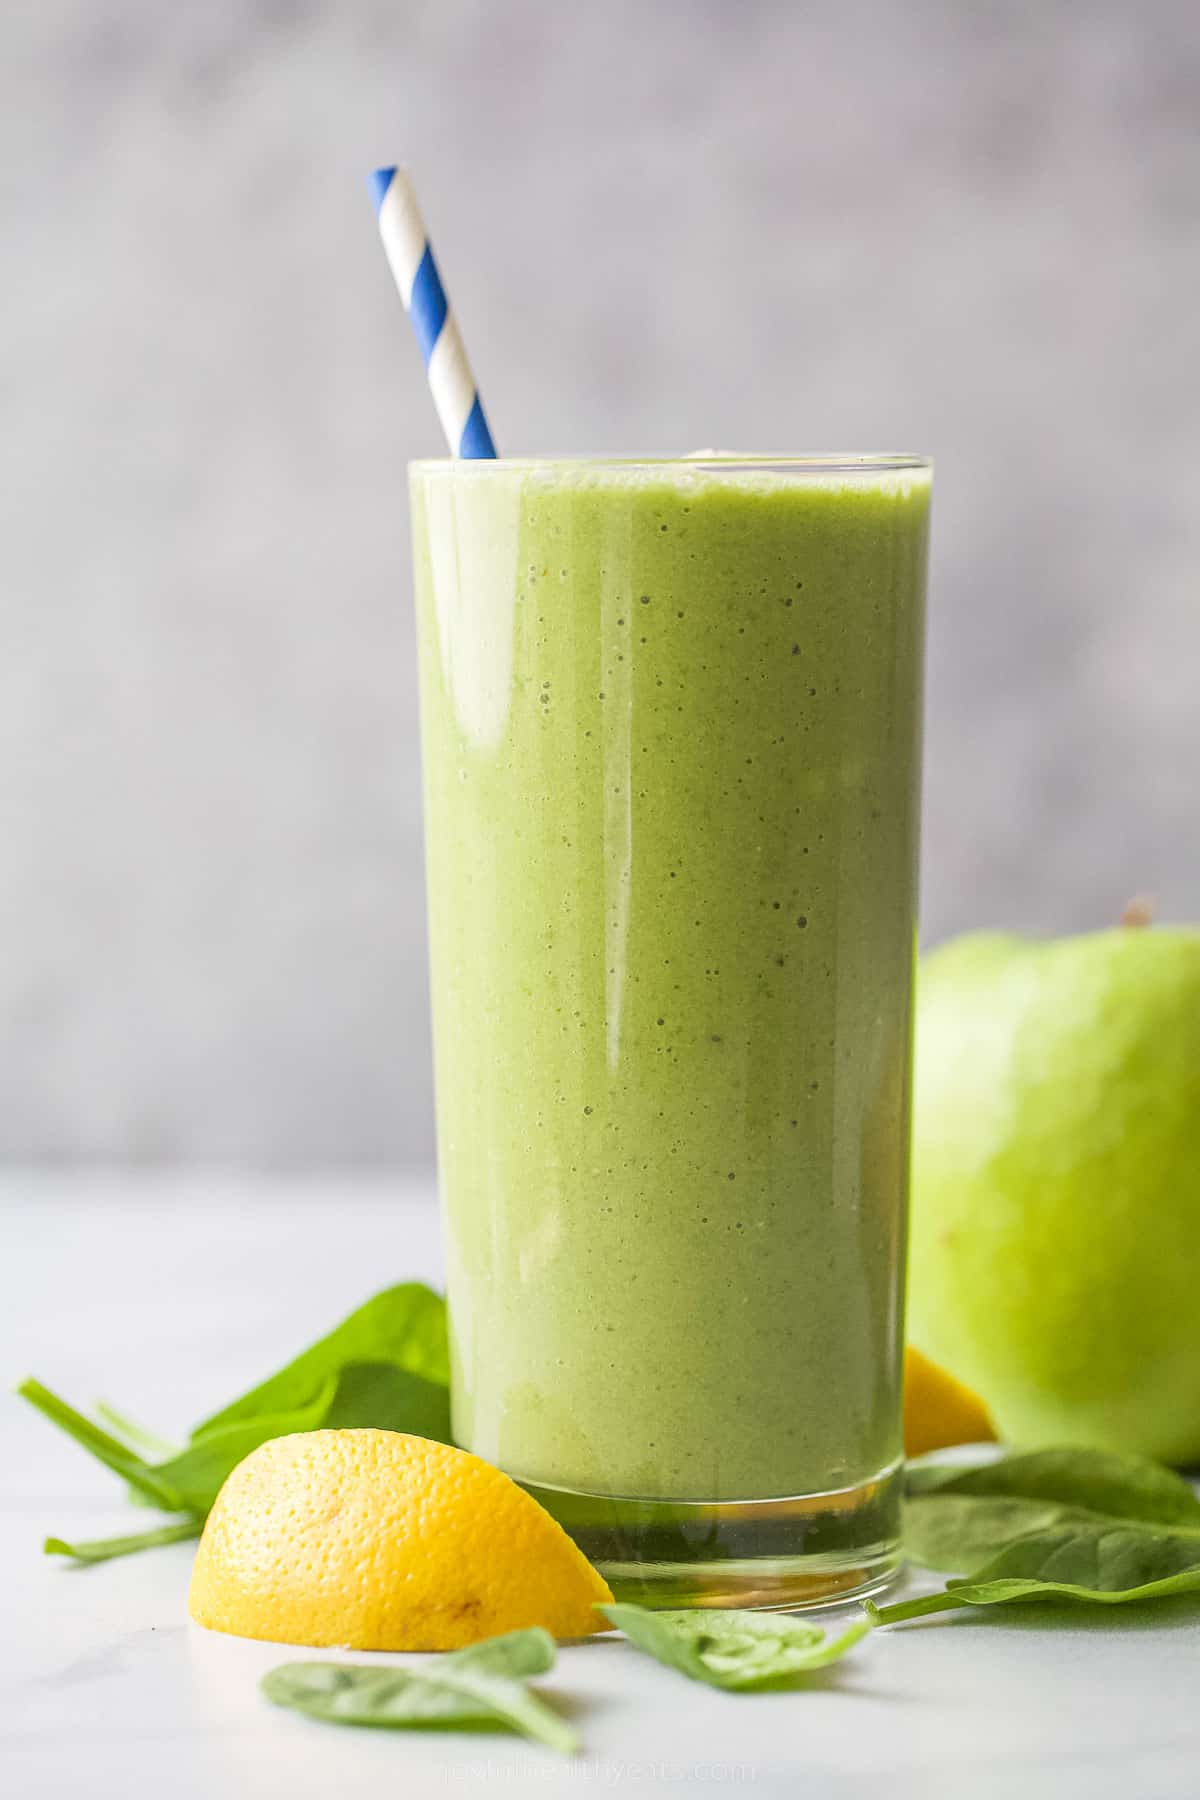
[{"x": 1055, "y": 1246}]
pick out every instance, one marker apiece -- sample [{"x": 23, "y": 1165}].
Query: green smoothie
[{"x": 671, "y": 740}]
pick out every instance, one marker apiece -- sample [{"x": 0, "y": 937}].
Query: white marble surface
[{"x": 165, "y": 1297}]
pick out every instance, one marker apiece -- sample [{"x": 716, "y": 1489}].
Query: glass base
[{"x": 806, "y": 1550}]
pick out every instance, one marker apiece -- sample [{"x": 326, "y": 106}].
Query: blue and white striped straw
[{"x": 411, "y": 257}]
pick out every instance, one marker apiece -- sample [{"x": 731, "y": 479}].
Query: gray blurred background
[{"x": 969, "y": 229}]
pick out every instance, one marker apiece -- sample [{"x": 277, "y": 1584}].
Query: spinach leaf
[
  {"x": 354, "y": 1694},
  {"x": 405, "y": 1325},
  {"x": 482, "y": 1685},
  {"x": 960, "y": 1533},
  {"x": 733, "y": 1649},
  {"x": 966, "y": 1516},
  {"x": 1127, "y": 1487},
  {"x": 391, "y": 1398},
  {"x": 384, "y": 1366},
  {"x": 983, "y": 1590},
  {"x": 1080, "y": 1525},
  {"x": 104, "y": 1549}
]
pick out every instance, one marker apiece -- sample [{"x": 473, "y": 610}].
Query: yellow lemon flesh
[
  {"x": 938, "y": 1410},
  {"x": 374, "y": 1540}
]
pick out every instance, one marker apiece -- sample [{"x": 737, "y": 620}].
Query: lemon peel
[{"x": 378, "y": 1540}]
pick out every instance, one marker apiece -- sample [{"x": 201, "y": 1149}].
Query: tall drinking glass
[{"x": 671, "y": 732}]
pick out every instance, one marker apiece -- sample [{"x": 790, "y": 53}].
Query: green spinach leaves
[
  {"x": 483, "y": 1685},
  {"x": 385, "y": 1365},
  {"x": 733, "y": 1649},
  {"x": 1073, "y": 1524}
]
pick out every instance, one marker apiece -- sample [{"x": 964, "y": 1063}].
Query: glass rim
[{"x": 888, "y": 462}]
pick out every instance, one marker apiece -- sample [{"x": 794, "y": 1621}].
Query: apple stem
[{"x": 1139, "y": 912}]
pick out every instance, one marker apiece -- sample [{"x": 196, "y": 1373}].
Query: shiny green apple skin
[{"x": 1055, "y": 1238}]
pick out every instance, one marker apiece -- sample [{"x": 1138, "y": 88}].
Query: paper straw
[{"x": 410, "y": 254}]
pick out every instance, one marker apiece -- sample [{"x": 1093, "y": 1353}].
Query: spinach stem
[
  {"x": 104, "y": 1549},
  {"x": 920, "y": 1608}
]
